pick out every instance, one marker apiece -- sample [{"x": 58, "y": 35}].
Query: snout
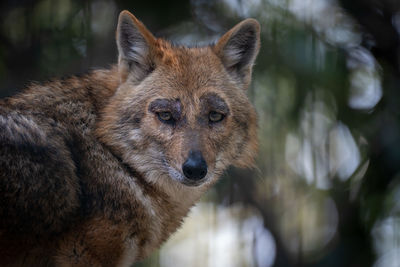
[{"x": 195, "y": 167}]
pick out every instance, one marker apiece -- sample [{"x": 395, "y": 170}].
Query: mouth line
[{"x": 191, "y": 183}]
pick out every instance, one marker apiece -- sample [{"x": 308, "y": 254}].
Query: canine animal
[{"x": 99, "y": 170}]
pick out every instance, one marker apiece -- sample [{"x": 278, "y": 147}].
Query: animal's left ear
[{"x": 238, "y": 48}]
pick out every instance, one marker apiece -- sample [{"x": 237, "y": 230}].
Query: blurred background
[{"x": 326, "y": 86}]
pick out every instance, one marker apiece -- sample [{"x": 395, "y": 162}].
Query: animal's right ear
[{"x": 134, "y": 43}]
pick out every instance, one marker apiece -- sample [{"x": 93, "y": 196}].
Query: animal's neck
[
  {"x": 165, "y": 210},
  {"x": 181, "y": 197}
]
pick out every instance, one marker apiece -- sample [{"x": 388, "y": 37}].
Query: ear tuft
[
  {"x": 134, "y": 42},
  {"x": 238, "y": 49}
]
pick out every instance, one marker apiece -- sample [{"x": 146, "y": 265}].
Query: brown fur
[{"x": 91, "y": 176}]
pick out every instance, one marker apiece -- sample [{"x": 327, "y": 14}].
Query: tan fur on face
[{"x": 188, "y": 82}]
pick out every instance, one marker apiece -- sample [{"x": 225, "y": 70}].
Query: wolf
[{"x": 99, "y": 170}]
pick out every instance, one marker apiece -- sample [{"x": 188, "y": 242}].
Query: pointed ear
[
  {"x": 134, "y": 43},
  {"x": 238, "y": 49}
]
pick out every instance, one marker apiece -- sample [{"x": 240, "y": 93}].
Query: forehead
[{"x": 190, "y": 69}]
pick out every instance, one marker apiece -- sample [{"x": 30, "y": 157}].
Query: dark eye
[
  {"x": 214, "y": 116},
  {"x": 165, "y": 116}
]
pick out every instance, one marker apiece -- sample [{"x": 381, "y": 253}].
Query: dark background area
[{"x": 326, "y": 85}]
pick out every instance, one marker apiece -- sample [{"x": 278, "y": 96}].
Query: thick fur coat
[{"x": 99, "y": 170}]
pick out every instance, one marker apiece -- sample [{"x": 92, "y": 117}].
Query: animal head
[{"x": 181, "y": 115}]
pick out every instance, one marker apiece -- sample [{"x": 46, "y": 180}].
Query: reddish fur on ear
[
  {"x": 135, "y": 44},
  {"x": 238, "y": 48},
  {"x": 139, "y": 25}
]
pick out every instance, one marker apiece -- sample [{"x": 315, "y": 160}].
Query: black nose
[{"x": 195, "y": 167}]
